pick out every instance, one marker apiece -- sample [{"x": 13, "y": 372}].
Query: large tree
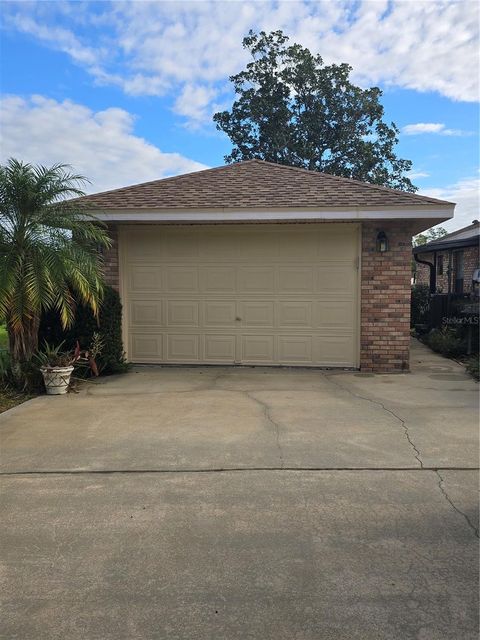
[
  {"x": 49, "y": 252},
  {"x": 291, "y": 108},
  {"x": 435, "y": 233}
]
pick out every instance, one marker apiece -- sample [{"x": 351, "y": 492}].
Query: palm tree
[{"x": 49, "y": 252}]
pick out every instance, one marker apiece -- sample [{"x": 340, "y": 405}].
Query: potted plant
[{"x": 57, "y": 366}]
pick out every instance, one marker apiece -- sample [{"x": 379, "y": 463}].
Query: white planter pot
[{"x": 56, "y": 379}]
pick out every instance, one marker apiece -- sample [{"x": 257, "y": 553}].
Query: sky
[{"x": 125, "y": 91}]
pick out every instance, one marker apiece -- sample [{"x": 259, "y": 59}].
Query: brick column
[
  {"x": 110, "y": 257},
  {"x": 385, "y": 298}
]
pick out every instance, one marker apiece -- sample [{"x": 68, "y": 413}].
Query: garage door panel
[
  {"x": 183, "y": 347},
  {"x": 181, "y": 279},
  {"x": 298, "y": 245},
  {"x": 334, "y": 351},
  {"x": 218, "y": 279},
  {"x": 336, "y": 314},
  {"x": 143, "y": 246},
  {"x": 219, "y": 313},
  {"x": 144, "y": 278},
  {"x": 146, "y": 348},
  {"x": 256, "y": 313},
  {"x": 180, "y": 244},
  {"x": 220, "y": 348},
  {"x": 295, "y": 279},
  {"x": 333, "y": 245},
  {"x": 182, "y": 313},
  {"x": 259, "y": 243},
  {"x": 295, "y": 349},
  {"x": 338, "y": 279},
  {"x": 216, "y": 244},
  {"x": 256, "y": 279},
  {"x": 260, "y": 294},
  {"x": 295, "y": 313},
  {"x": 146, "y": 312},
  {"x": 257, "y": 349}
]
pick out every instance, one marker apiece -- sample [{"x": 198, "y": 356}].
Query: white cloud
[
  {"x": 63, "y": 39},
  {"x": 152, "y": 48},
  {"x": 466, "y": 194},
  {"x": 195, "y": 103},
  {"x": 100, "y": 145},
  {"x": 432, "y": 127},
  {"x": 415, "y": 175}
]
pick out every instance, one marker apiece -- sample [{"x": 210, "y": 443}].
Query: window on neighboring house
[
  {"x": 458, "y": 272},
  {"x": 440, "y": 265}
]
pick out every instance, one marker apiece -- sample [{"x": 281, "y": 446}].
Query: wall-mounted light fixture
[{"x": 382, "y": 242}]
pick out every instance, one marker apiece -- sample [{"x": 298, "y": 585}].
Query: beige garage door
[{"x": 247, "y": 294}]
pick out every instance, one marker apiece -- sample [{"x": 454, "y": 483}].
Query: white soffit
[{"x": 273, "y": 216}]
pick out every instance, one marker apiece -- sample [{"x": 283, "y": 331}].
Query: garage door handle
[{"x": 237, "y": 318}]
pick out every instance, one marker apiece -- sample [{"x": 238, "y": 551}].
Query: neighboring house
[
  {"x": 448, "y": 264},
  {"x": 262, "y": 264}
]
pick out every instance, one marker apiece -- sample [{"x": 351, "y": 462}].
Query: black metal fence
[
  {"x": 432, "y": 311},
  {"x": 444, "y": 306}
]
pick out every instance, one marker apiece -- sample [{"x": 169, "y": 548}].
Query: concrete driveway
[{"x": 201, "y": 503}]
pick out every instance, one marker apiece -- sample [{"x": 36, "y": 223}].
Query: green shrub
[
  {"x": 420, "y": 304},
  {"x": 3, "y": 337},
  {"x": 109, "y": 327},
  {"x": 473, "y": 367},
  {"x": 31, "y": 378},
  {"x": 447, "y": 341}
]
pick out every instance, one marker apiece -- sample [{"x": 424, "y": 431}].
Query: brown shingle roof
[{"x": 255, "y": 184}]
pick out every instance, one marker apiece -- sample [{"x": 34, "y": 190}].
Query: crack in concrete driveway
[
  {"x": 331, "y": 378},
  {"x": 417, "y": 455},
  {"x": 268, "y": 417},
  {"x": 441, "y": 486}
]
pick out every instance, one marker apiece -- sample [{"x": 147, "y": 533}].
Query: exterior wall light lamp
[{"x": 382, "y": 242}]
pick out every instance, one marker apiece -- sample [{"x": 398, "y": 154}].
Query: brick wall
[
  {"x": 471, "y": 262},
  {"x": 385, "y": 298},
  {"x": 110, "y": 256},
  {"x": 422, "y": 271}
]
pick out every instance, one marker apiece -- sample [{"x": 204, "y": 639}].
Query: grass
[
  {"x": 3, "y": 337},
  {"x": 10, "y": 398}
]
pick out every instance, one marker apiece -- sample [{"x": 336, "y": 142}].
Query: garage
[
  {"x": 258, "y": 263},
  {"x": 276, "y": 294}
]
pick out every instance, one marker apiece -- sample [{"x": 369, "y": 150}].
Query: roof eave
[
  {"x": 425, "y": 212},
  {"x": 431, "y": 247}
]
